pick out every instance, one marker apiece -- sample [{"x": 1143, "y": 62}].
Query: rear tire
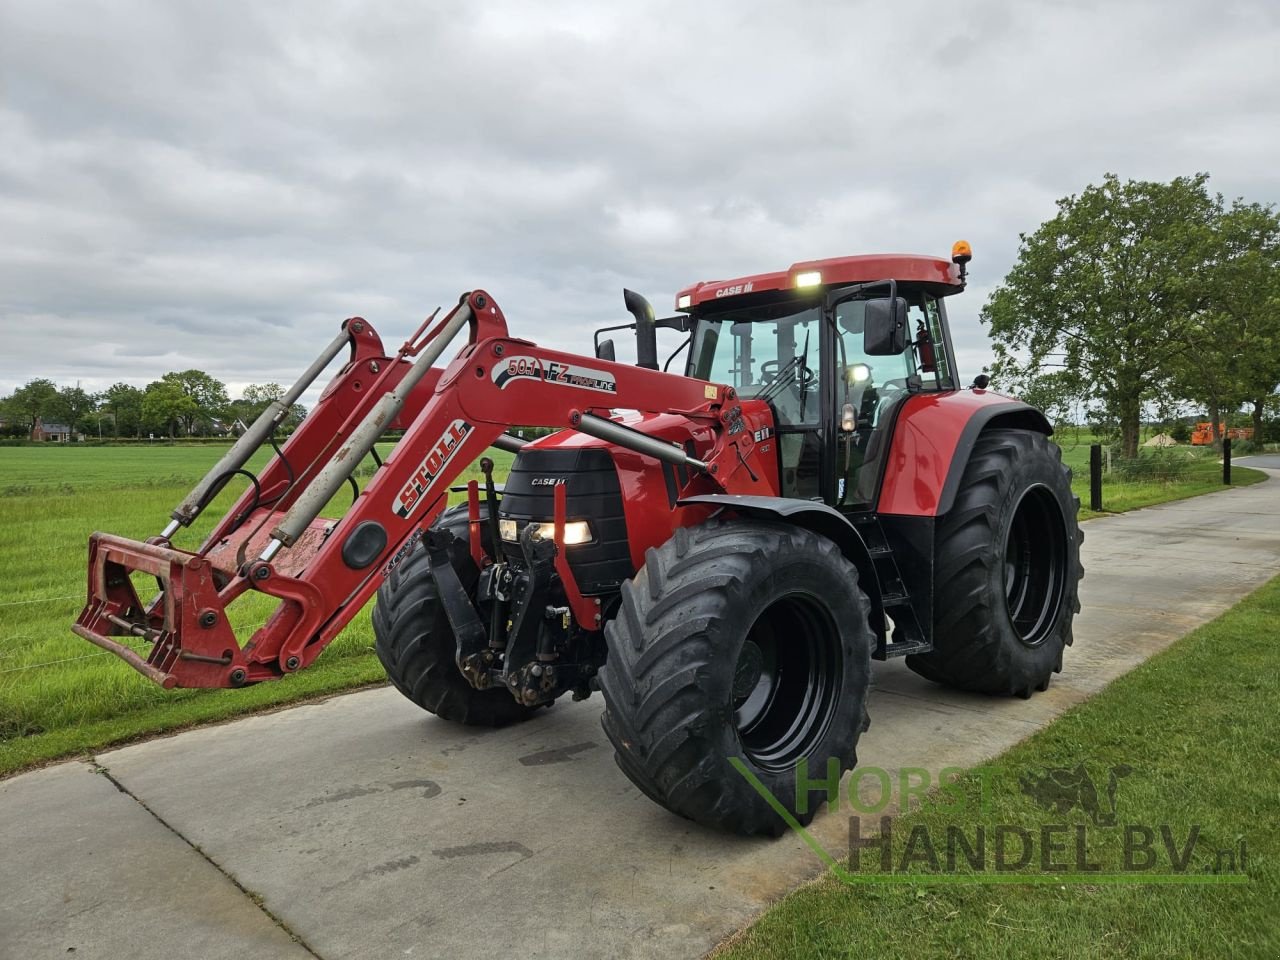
[
  {"x": 1007, "y": 569},
  {"x": 737, "y": 639},
  {"x": 416, "y": 644}
]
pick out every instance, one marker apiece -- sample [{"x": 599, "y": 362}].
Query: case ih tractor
[{"x": 721, "y": 553}]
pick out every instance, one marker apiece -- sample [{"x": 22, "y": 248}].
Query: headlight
[{"x": 575, "y": 531}]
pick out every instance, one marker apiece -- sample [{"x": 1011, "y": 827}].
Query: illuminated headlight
[
  {"x": 810, "y": 278},
  {"x": 575, "y": 531},
  {"x": 685, "y": 302},
  {"x": 859, "y": 373}
]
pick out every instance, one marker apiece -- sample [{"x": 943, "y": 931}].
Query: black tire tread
[
  {"x": 416, "y": 646},
  {"x": 664, "y": 650},
  {"x": 970, "y": 652}
]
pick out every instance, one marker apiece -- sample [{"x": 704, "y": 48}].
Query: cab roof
[{"x": 941, "y": 275}]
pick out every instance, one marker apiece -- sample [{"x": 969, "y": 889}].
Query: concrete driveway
[{"x": 361, "y": 827}]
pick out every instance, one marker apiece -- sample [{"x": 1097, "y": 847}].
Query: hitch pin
[{"x": 137, "y": 629}]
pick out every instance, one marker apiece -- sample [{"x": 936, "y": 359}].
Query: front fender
[{"x": 810, "y": 515}]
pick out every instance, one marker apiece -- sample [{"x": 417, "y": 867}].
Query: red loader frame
[{"x": 322, "y": 572}]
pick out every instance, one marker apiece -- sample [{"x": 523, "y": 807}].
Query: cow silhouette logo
[{"x": 1061, "y": 789}]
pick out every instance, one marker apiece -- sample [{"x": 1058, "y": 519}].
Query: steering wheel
[{"x": 769, "y": 373}]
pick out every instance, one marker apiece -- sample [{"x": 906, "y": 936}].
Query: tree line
[
  {"x": 187, "y": 403},
  {"x": 1142, "y": 296}
]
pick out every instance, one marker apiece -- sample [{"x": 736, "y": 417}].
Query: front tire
[
  {"x": 1007, "y": 569},
  {"x": 737, "y": 639},
  {"x": 416, "y": 644}
]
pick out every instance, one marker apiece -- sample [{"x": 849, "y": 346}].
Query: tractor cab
[{"x": 834, "y": 347}]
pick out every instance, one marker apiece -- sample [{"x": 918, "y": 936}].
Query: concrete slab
[
  {"x": 370, "y": 828},
  {"x": 85, "y": 871}
]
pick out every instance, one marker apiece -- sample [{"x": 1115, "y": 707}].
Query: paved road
[
  {"x": 368, "y": 829},
  {"x": 1267, "y": 462}
]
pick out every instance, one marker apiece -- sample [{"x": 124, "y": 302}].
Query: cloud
[{"x": 219, "y": 185}]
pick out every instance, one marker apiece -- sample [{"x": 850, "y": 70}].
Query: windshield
[
  {"x": 773, "y": 352},
  {"x": 768, "y": 352}
]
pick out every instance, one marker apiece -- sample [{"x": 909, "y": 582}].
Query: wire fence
[
  {"x": 51, "y": 663},
  {"x": 18, "y": 603},
  {"x": 46, "y": 663}
]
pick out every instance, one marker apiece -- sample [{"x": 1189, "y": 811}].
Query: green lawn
[
  {"x": 1199, "y": 726},
  {"x": 58, "y": 694}
]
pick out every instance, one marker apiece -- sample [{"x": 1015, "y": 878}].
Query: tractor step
[
  {"x": 901, "y": 648},
  {"x": 904, "y": 634}
]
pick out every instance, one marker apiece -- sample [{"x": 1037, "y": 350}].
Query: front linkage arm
[{"x": 323, "y": 572}]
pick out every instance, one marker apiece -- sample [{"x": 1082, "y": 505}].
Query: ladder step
[{"x": 902, "y": 648}]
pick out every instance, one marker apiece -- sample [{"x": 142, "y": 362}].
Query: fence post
[
  {"x": 1226, "y": 460},
  {"x": 1095, "y": 477}
]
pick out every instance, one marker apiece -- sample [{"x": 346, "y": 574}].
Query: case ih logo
[
  {"x": 734, "y": 290},
  {"x": 562, "y": 373},
  {"x": 430, "y": 467}
]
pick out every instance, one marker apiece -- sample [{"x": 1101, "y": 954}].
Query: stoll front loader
[{"x": 721, "y": 553}]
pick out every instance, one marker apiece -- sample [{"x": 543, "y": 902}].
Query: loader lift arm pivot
[{"x": 321, "y": 572}]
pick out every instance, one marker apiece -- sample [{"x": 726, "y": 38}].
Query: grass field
[
  {"x": 1174, "y": 474},
  {"x": 59, "y": 695},
  {"x": 1199, "y": 728}
]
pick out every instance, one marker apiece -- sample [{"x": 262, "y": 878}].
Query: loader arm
[{"x": 273, "y": 541}]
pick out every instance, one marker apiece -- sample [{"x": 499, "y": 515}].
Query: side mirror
[
  {"x": 605, "y": 351},
  {"x": 884, "y": 332}
]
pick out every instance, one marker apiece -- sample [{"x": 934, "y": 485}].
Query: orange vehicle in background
[{"x": 1202, "y": 435}]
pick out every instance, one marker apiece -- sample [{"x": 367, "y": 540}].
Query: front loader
[{"x": 720, "y": 553}]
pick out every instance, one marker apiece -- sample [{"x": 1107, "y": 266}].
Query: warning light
[{"x": 961, "y": 253}]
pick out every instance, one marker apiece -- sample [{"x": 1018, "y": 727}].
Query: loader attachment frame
[{"x": 321, "y": 572}]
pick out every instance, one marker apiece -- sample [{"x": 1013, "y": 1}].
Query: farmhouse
[{"x": 54, "y": 432}]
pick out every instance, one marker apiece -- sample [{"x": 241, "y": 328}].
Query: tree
[
  {"x": 1236, "y": 335},
  {"x": 165, "y": 405},
  {"x": 1057, "y": 393},
  {"x": 1109, "y": 285},
  {"x": 257, "y": 397},
  {"x": 254, "y": 400},
  {"x": 124, "y": 402},
  {"x": 208, "y": 396},
  {"x": 72, "y": 405},
  {"x": 33, "y": 401},
  {"x": 13, "y": 419}
]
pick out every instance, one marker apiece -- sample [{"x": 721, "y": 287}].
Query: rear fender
[{"x": 933, "y": 437}]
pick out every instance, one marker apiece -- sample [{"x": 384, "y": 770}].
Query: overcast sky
[{"x": 218, "y": 185}]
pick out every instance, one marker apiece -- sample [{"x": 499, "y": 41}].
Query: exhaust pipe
[{"x": 646, "y": 329}]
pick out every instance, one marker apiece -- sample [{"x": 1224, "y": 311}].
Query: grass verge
[
  {"x": 1198, "y": 726},
  {"x": 1198, "y": 471}
]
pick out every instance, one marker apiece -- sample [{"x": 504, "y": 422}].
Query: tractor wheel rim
[
  {"x": 787, "y": 682},
  {"x": 1035, "y": 562}
]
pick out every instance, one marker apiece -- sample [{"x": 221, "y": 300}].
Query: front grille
[{"x": 592, "y": 493}]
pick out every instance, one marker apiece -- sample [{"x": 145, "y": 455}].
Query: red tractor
[{"x": 721, "y": 553}]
